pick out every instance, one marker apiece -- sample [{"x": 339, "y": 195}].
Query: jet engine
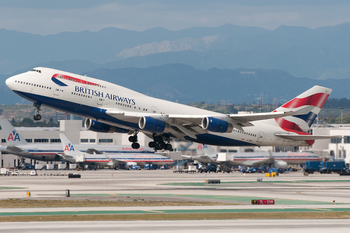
[
  {"x": 280, "y": 164},
  {"x": 102, "y": 127},
  {"x": 216, "y": 125},
  {"x": 152, "y": 125}
]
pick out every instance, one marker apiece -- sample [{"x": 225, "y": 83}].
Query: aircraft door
[
  {"x": 99, "y": 101},
  {"x": 154, "y": 109},
  {"x": 56, "y": 90},
  {"x": 260, "y": 137}
]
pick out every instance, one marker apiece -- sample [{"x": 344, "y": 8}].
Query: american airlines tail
[
  {"x": 205, "y": 150},
  {"x": 13, "y": 138},
  {"x": 70, "y": 153}
]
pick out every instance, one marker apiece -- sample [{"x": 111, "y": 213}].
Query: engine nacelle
[
  {"x": 152, "y": 125},
  {"x": 216, "y": 125},
  {"x": 280, "y": 164},
  {"x": 102, "y": 127}
]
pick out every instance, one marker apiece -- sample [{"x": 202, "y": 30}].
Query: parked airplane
[
  {"x": 17, "y": 145},
  {"x": 205, "y": 154},
  {"x": 112, "y": 108},
  {"x": 71, "y": 154}
]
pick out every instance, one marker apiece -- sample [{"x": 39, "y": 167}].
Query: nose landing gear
[{"x": 37, "y": 116}]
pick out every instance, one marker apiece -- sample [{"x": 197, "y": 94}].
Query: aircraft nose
[{"x": 10, "y": 82}]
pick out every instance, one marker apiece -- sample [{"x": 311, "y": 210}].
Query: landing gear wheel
[
  {"x": 168, "y": 147},
  {"x": 37, "y": 117},
  {"x": 133, "y": 138},
  {"x": 135, "y": 145},
  {"x": 152, "y": 144}
]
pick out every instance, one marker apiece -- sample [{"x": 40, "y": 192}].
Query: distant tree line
[
  {"x": 337, "y": 103},
  {"x": 28, "y": 122}
]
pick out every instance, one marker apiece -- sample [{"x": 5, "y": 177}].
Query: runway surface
[
  {"x": 194, "y": 226},
  {"x": 292, "y": 192}
]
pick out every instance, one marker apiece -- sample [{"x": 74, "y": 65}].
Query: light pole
[{"x": 341, "y": 116}]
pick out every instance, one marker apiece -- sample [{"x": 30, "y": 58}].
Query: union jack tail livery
[
  {"x": 311, "y": 102},
  {"x": 312, "y": 99}
]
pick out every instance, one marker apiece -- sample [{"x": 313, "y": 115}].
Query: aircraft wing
[
  {"x": 93, "y": 151},
  {"x": 306, "y": 137},
  {"x": 190, "y": 125},
  {"x": 248, "y": 163},
  {"x": 201, "y": 158},
  {"x": 113, "y": 162}
]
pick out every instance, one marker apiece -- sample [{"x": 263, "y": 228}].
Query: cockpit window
[{"x": 35, "y": 70}]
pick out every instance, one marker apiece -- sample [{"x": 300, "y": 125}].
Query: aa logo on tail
[
  {"x": 69, "y": 147},
  {"x": 13, "y": 136}
]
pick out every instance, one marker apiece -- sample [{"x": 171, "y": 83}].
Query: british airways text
[{"x": 103, "y": 95}]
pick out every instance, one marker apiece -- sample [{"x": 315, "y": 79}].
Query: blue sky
[{"x": 51, "y": 17}]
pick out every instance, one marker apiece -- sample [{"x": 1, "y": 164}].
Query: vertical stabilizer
[
  {"x": 310, "y": 102},
  {"x": 205, "y": 150},
  {"x": 13, "y": 138},
  {"x": 70, "y": 150}
]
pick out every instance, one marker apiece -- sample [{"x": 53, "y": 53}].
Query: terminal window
[
  {"x": 3, "y": 140},
  {"x": 346, "y": 139},
  {"x": 41, "y": 140},
  {"x": 92, "y": 140},
  {"x": 105, "y": 140},
  {"x": 336, "y": 140},
  {"x": 84, "y": 140},
  {"x": 55, "y": 140},
  {"x": 29, "y": 140}
]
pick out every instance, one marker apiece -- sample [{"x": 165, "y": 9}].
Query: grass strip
[
  {"x": 27, "y": 203},
  {"x": 182, "y": 216}
]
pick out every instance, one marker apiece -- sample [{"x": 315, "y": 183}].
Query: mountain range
[
  {"x": 320, "y": 53},
  {"x": 232, "y": 63}
]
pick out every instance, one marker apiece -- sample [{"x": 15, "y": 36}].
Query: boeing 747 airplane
[{"x": 112, "y": 108}]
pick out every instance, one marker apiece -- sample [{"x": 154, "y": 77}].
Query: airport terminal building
[{"x": 74, "y": 130}]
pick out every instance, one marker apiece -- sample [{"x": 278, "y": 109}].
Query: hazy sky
[{"x": 54, "y": 16}]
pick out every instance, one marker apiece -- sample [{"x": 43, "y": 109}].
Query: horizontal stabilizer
[{"x": 306, "y": 137}]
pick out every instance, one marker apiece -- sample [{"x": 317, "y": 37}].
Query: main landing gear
[
  {"x": 133, "y": 139},
  {"x": 37, "y": 116},
  {"x": 159, "y": 144}
]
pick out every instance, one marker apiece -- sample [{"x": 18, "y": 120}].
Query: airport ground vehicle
[
  {"x": 336, "y": 166},
  {"x": 313, "y": 166},
  {"x": 208, "y": 168},
  {"x": 325, "y": 167},
  {"x": 150, "y": 166},
  {"x": 250, "y": 170}
]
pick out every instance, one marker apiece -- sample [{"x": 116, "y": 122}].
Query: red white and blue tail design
[{"x": 311, "y": 100}]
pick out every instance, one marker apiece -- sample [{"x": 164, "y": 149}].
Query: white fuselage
[{"x": 85, "y": 96}]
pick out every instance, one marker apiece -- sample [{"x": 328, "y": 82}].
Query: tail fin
[
  {"x": 13, "y": 138},
  {"x": 205, "y": 150},
  {"x": 311, "y": 102},
  {"x": 70, "y": 153}
]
